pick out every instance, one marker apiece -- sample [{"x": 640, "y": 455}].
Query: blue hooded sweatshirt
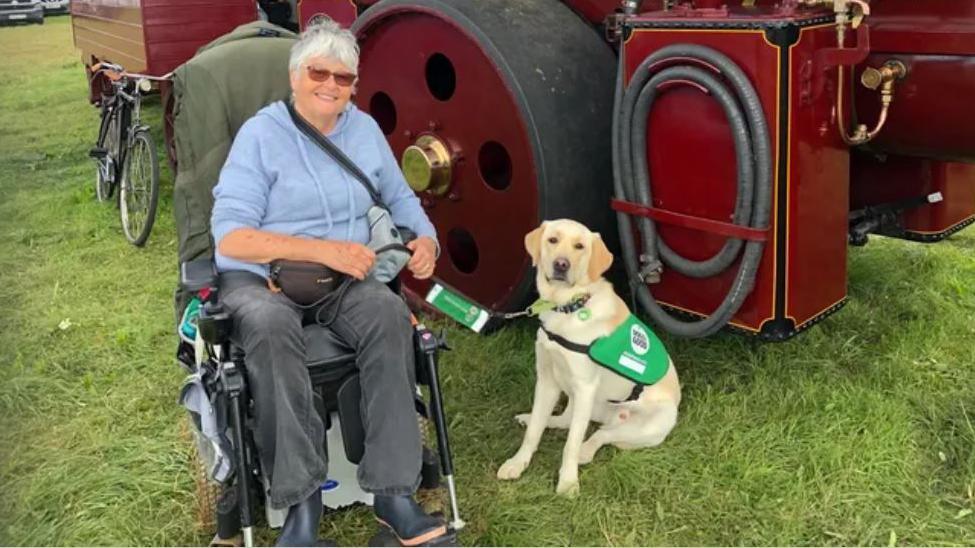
[{"x": 277, "y": 179}]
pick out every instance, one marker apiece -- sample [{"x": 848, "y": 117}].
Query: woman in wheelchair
[{"x": 281, "y": 196}]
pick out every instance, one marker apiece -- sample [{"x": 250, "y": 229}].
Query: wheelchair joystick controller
[{"x": 428, "y": 346}]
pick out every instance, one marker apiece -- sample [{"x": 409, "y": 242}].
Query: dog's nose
[{"x": 561, "y": 264}]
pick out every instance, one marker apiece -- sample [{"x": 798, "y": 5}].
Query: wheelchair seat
[{"x": 328, "y": 359}]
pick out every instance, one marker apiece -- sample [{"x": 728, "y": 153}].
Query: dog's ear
[
  {"x": 601, "y": 258},
  {"x": 533, "y": 243}
]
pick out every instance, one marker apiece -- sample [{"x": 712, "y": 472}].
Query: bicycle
[{"x": 125, "y": 154}]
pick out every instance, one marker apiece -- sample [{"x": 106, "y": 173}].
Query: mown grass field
[{"x": 859, "y": 432}]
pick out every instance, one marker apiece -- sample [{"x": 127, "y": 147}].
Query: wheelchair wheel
[
  {"x": 432, "y": 494},
  {"x": 207, "y": 491}
]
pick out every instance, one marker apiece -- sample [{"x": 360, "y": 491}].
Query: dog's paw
[
  {"x": 512, "y": 468},
  {"x": 568, "y": 485},
  {"x": 587, "y": 452},
  {"x": 522, "y": 418}
]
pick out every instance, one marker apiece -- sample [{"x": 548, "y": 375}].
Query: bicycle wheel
[
  {"x": 139, "y": 191},
  {"x": 105, "y": 166}
]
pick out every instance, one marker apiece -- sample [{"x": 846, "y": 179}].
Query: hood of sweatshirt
[{"x": 278, "y": 112}]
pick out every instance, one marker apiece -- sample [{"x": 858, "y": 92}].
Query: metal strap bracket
[{"x": 688, "y": 221}]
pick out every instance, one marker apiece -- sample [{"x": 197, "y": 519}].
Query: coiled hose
[{"x": 631, "y": 177}]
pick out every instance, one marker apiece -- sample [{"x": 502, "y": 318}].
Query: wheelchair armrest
[
  {"x": 197, "y": 274},
  {"x": 215, "y": 323}
]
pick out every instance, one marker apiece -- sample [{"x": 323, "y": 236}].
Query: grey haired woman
[{"x": 281, "y": 197}]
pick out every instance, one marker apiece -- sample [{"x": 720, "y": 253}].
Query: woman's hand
[
  {"x": 424, "y": 257},
  {"x": 351, "y": 258}
]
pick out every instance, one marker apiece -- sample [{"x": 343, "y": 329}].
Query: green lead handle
[{"x": 458, "y": 307}]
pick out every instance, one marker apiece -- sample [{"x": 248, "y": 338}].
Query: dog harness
[{"x": 632, "y": 351}]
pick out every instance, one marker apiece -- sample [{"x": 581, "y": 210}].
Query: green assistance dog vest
[{"x": 632, "y": 351}]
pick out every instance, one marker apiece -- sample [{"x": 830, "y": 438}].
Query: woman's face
[{"x": 324, "y": 99}]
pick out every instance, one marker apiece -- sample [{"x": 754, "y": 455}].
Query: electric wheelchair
[
  {"x": 216, "y": 391},
  {"x": 217, "y": 397}
]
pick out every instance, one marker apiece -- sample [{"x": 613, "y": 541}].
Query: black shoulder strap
[
  {"x": 336, "y": 154},
  {"x": 566, "y": 343}
]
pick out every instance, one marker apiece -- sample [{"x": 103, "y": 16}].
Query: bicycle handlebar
[{"x": 116, "y": 72}]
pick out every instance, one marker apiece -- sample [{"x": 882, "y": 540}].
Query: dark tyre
[
  {"x": 106, "y": 169},
  {"x": 139, "y": 189},
  {"x": 207, "y": 491}
]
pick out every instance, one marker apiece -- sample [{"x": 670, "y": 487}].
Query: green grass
[{"x": 859, "y": 432}]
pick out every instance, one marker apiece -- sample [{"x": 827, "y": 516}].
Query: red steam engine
[{"x": 732, "y": 149}]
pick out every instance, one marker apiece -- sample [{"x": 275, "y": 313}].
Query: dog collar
[{"x": 541, "y": 305}]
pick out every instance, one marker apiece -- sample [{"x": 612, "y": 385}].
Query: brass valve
[
  {"x": 850, "y": 14},
  {"x": 891, "y": 71},
  {"x": 884, "y": 78}
]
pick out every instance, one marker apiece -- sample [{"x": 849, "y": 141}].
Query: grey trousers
[{"x": 289, "y": 433}]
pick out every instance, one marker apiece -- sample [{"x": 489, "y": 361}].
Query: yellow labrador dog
[{"x": 571, "y": 261}]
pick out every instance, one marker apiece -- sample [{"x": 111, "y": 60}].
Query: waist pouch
[{"x": 305, "y": 283}]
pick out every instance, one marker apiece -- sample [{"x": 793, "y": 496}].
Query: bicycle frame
[
  {"x": 123, "y": 138},
  {"x": 125, "y": 105}
]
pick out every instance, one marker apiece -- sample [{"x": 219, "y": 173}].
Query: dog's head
[{"x": 567, "y": 253}]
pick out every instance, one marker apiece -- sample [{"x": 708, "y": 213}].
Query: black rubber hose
[
  {"x": 632, "y": 180},
  {"x": 743, "y": 154}
]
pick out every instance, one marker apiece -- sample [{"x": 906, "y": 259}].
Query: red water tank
[{"x": 802, "y": 273}]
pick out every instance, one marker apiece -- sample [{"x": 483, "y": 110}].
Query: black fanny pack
[{"x": 307, "y": 284}]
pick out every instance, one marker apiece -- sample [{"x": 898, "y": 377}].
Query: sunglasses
[{"x": 344, "y": 79}]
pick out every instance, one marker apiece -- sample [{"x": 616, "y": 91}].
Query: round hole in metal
[
  {"x": 494, "y": 163},
  {"x": 384, "y": 111},
  {"x": 462, "y": 250},
  {"x": 441, "y": 78}
]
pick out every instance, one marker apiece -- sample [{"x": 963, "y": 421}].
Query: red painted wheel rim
[{"x": 406, "y": 60}]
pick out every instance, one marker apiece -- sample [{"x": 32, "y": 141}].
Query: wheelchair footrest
[
  {"x": 386, "y": 537},
  {"x": 233, "y": 542}
]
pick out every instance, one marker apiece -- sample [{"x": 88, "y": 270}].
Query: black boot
[
  {"x": 407, "y": 520},
  {"x": 301, "y": 526}
]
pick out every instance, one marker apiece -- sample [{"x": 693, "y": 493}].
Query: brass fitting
[
  {"x": 427, "y": 164},
  {"x": 872, "y": 78},
  {"x": 848, "y": 13},
  {"x": 884, "y": 77}
]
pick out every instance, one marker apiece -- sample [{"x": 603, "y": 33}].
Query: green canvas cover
[
  {"x": 633, "y": 351},
  {"x": 215, "y": 92}
]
